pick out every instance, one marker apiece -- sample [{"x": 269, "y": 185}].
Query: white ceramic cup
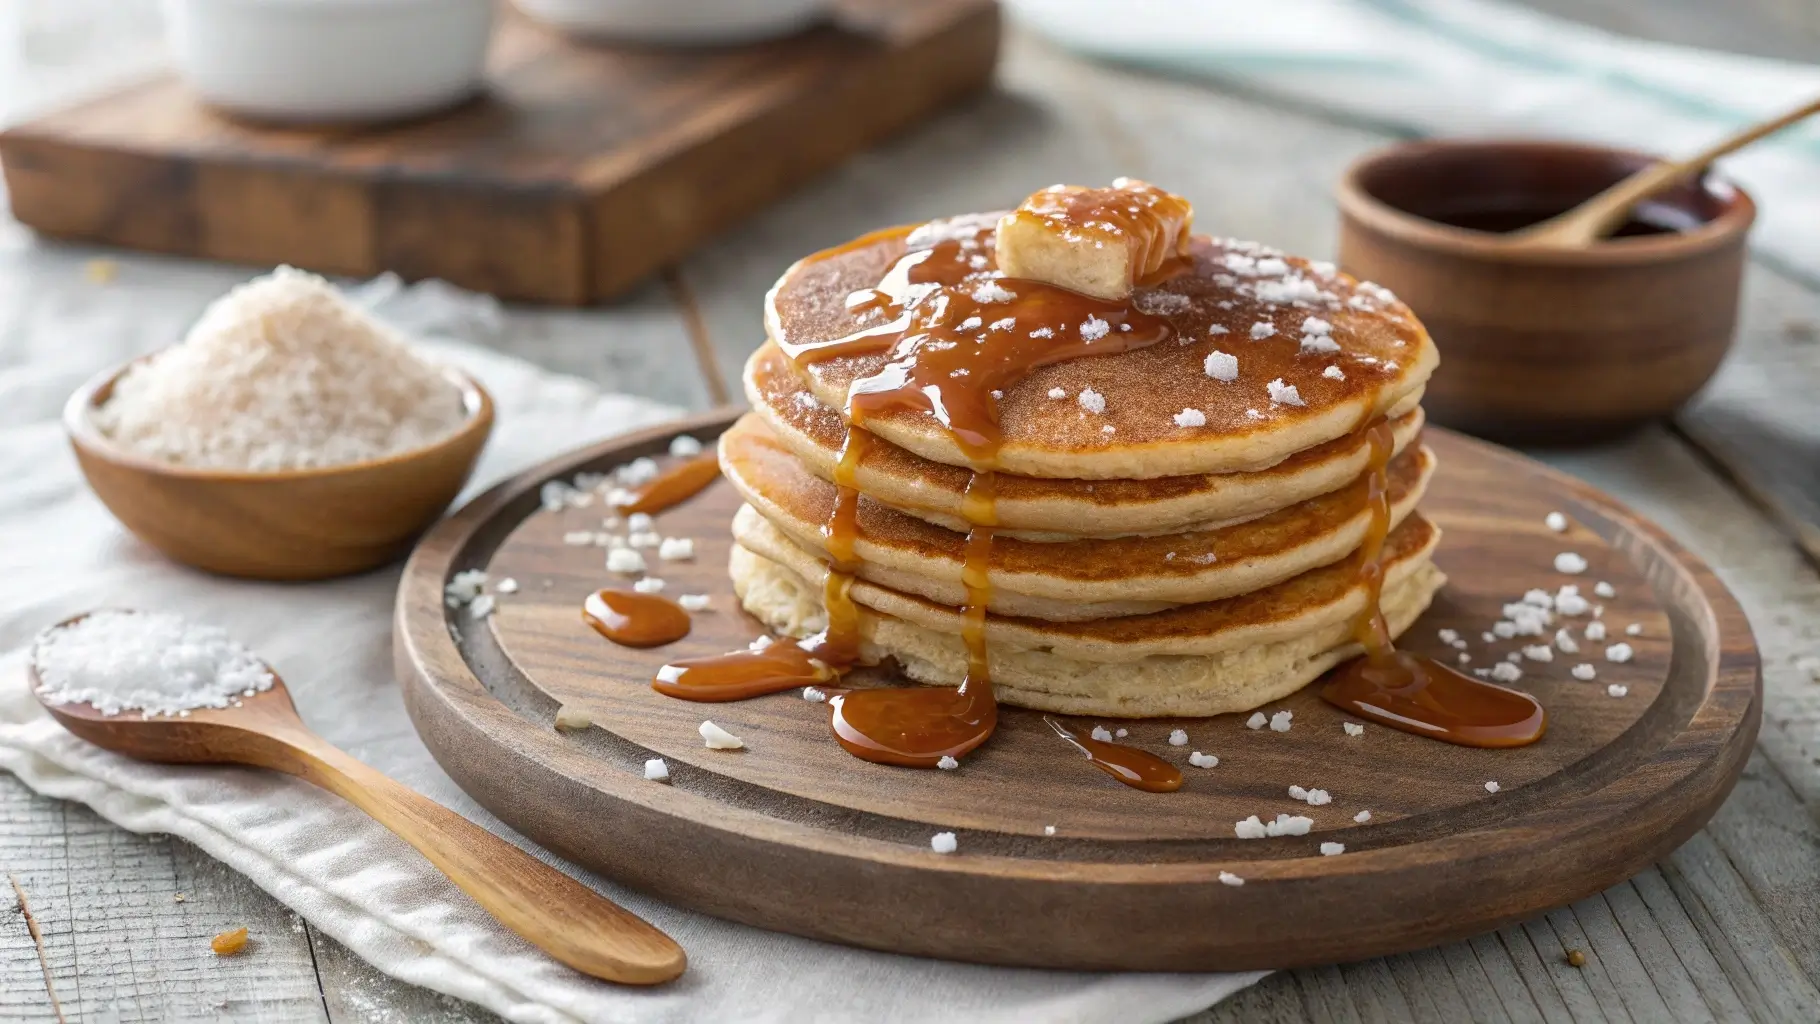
[
  {"x": 677, "y": 22},
  {"x": 330, "y": 60}
]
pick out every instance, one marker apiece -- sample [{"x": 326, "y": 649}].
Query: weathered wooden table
[{"x": 1727, "y": 928}]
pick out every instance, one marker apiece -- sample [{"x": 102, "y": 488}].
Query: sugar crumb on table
[{"x": 716, "y": 738}]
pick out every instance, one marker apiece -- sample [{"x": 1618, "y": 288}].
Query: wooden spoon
[
  {"x": 1599, "y": 216},
  {"x": 545, "y": 907}
]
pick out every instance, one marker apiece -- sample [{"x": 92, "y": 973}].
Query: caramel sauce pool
[
  {"x": 1136, "y": 768},
  {"x": 1410, "y": 692},
  {"x": 631, "y": 619},
  {"x": 677, "y": 484},
  {"x": 753, "y": 672},
  {"x": 914, "y": 726}
]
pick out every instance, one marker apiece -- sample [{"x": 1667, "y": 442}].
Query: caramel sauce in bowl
[{"x": 1547, "y": 346}]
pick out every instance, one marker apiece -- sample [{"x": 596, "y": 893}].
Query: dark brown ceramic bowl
[{"x": 1547, "y": 347}]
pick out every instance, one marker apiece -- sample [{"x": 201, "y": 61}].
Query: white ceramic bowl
[
  {"x": 330, "y": 60},
  {"x": 677, "y": 22}
]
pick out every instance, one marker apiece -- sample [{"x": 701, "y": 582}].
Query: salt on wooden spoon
[
  {"x": 156, "y": 687},
  {"x": 1599, "y": 216}
]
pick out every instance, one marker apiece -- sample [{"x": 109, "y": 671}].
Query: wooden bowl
[
  {"x": 296, "y": 524},
  {"x": 1547, "y": 347}
]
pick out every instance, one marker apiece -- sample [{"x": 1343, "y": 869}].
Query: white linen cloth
[
  {"x": 61, "y": 553},
  {"x": 1480, "y": 68}
]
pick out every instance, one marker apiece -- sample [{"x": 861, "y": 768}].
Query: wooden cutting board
[
  {"x": 581, "y": 170},
  {"x": 794, "y": 834}
]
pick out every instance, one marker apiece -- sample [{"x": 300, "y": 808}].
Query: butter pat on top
[{"x": 1096, "y": 241}]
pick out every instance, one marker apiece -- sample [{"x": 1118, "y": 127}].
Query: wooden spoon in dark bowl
[{"x": 550, "y": 910}]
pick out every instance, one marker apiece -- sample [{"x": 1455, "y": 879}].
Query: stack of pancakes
[{"x": 1177, "y": 529}]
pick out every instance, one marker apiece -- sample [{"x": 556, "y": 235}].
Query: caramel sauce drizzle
[
  {"x": 757, "y": 670},
  {"x": 632, "y": 619},
  {"x": 1409, "y": 692},
  {"x": 1136, "y": 768},
  {"x": 676, "y": 485},
  {"x": 956, "y": 335}
]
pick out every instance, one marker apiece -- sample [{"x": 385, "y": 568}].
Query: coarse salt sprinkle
[
  {"x": 156, "y": 663},
  {"x": 283, "y": 372}
]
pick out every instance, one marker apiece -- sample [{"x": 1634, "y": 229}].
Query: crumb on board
[
  {"x": 572, "y": 719},
  {"x": 228, "y": 943}
]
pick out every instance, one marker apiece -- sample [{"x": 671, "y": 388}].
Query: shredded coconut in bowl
[
  {"x": 156, "y": 663},
  {"x": 282, "y": 373}
]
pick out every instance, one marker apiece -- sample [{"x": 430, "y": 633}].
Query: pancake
[
  {"x": 1127, "y": 426},
  {"x": 1038, "y": 508},
  {"x": 1063, "y": 580},
  {"x": 1199, "y": 660}
]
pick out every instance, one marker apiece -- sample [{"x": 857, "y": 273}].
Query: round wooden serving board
[{"x": 794, "y": 834}]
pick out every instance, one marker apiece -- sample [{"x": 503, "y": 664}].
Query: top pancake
[{"x": 1219, "y": 292}]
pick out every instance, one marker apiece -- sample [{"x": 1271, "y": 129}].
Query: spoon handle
[
  {"x": 1644, "y": 184},
  {"x": 545, "y": 907},
  {"x": 1600, "y": 215}
]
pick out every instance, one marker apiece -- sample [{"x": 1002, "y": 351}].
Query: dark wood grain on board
[
  {"x": 793, "y": 834},
  {"x": 581, "y": 170}
]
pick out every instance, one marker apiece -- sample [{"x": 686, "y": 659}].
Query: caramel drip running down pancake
[
  {"x": 1413, "y": 693},
  {"x": 1076, "y": 579},
  {"x": 1331, "y": 596},
  {"x": 952, "y": 340},
  {"x": 1040, "y": 508}
]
